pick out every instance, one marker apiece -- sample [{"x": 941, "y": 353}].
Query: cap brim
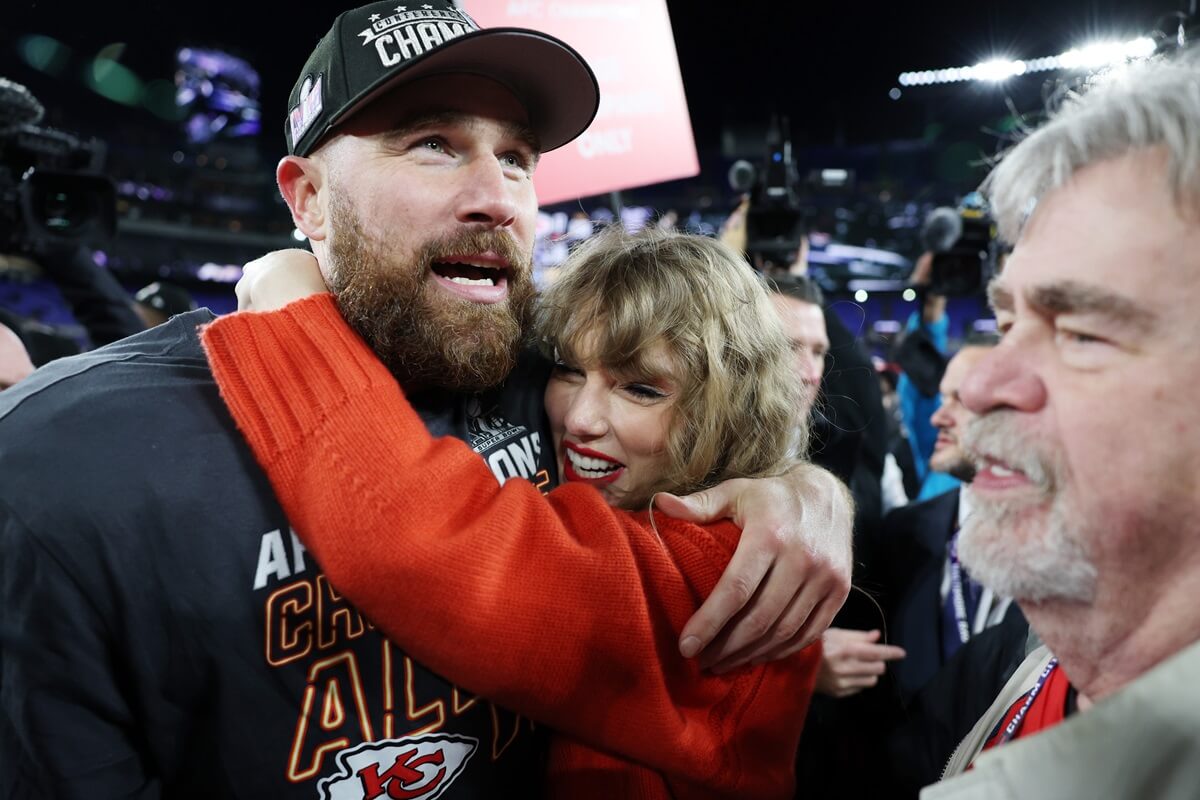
[{"x": 549, "y": 78}]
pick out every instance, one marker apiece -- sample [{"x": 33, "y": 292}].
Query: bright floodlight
[
  {"x": 998, "y": 69},
  {"x": 1097, "y": 55},
  {"x": 861, "y": 296},
  {"x": 298, "y": 236}
]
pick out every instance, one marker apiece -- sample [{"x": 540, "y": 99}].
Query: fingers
[
  {"x": 745, "y": 647},
  {"x": 278, "y": 278},
  {"x": 733, "y": 591},
  {"x": 702, "y": 507},
  {"x": 830, "y": 595},
  {"x": 853, "y": 686},
  {"x": 772, "y": 618},
  {"x": 806, "y": 620},
  {"x": 887, "y": 652}
]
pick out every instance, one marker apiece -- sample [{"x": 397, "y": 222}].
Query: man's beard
[
  {"x": 957, "y": 464},
  {"x": 425, "y": 336},
  {"x": 1031, "y": 550}
]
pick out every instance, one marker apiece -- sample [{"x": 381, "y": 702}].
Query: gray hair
[{"x": 1146, "y": 105}]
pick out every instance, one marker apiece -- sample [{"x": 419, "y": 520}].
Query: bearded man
[
  {"x": 165, "y": 633},
  {"x": 1088, "y": 447}
]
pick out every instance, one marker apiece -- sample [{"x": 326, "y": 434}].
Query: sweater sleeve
[{"x": 558, "y": 607}]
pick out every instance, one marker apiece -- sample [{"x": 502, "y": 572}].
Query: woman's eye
[
  {"x": 563, "y": 369},
  {"x": 644, "y": 391}
]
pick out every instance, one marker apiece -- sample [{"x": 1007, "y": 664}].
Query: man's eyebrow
[
  {"x": 1073, "y": 297},
  {"x": 443, "y": 117}
]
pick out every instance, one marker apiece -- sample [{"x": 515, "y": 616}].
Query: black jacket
[{"x": 165, "y": 635}]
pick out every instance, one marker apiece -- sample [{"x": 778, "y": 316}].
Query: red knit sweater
[{"x": 560, "y": 607}]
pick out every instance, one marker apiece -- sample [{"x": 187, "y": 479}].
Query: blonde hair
[{"x": 736, "y": 409}]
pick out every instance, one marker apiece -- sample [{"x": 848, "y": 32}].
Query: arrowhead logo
[{"x": 415, "y": 768}]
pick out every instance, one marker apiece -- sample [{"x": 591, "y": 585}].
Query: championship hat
[{"x": 378, "y": 46}]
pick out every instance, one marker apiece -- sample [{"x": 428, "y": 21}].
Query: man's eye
[
  {"x": 434, "y": 144},
  {"x": 1075, "y": 337},
  {"x": 515, "y": 160}
]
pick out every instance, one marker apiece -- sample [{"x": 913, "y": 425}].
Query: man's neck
[{"x": 1105, "y": 644}]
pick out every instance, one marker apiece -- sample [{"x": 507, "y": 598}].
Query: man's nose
[
  {"x": 1003, "y": 378},
  {"x": 486, "y": 195},
  {"x": 940, "y": 418}
]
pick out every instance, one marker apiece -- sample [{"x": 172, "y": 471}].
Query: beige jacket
[{"x": 1142, "y": 743}]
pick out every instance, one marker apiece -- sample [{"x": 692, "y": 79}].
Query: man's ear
[{"x": 301, "y": 182}]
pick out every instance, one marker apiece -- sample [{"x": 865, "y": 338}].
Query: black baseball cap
[{"x": 373, "y": 48}]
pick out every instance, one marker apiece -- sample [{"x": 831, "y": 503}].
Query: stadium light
[
  {"x": 1094, "y": 56},
  {"x": 997, "y": 70}
]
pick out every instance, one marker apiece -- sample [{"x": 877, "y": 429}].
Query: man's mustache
[{"x": 996, "y": 436}]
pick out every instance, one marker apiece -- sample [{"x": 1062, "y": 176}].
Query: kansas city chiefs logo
[{"x": 416, "y": 768}]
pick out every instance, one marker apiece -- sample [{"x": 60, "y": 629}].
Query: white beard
[{"x": 1032, "y": 550}]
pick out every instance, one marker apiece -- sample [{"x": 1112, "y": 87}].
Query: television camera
[
  {"x": 775, "y": 221},
  {"x": 51, "y": 188},
  {"x": 963, "y": 244}
]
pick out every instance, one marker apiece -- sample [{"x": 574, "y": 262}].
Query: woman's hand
[
  {"x": 277, "y": 279},
  {"x": 852, "y": 661}
]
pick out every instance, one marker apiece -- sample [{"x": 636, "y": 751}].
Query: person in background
[
  {"x": 798, "y": 302},
  {"x": 853, "y": 657},
  {"x": 852, "y": 660},
  {"x": 933, "y": 605},
  {"x": 922, "y": 356}
]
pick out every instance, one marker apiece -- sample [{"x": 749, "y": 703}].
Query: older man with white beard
[{"x": 1088, "y": 444}]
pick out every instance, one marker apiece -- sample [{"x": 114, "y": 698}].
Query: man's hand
[
  {"x": 279, "y": 278},
  {"x": 852, "y": 661},
  {"x": 789, "y": 575}
]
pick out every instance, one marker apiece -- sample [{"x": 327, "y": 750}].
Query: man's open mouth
[
  {"x": 479, "y": 278},
  {"x": 466, "y": 274}
]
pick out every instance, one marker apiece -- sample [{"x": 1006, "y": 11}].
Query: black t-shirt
[{"x": 165, "y": 634}]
